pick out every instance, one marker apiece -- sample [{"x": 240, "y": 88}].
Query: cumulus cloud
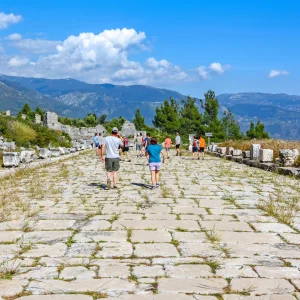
[
  {"x": 275, "y": 73},
  {"x": 34, "y": 46},
  {"x": 18, "y": 61},
  {"x": 6, "y": 20},
  {"x": 203, "y": 73},
  {"x": 214, "y": 68},
  {"x": 218, "y": 68}
]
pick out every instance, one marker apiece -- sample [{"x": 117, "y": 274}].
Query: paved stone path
[{"x": 199, "y": 236}]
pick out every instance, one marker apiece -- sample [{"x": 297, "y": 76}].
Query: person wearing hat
[{"x": 112, "y": 144}]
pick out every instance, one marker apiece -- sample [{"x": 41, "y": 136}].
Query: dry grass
[
  {"x": 275, "y": 145},
  {"x": 285, "y": 209}
]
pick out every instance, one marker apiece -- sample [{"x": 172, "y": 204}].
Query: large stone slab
[
  {"x": 56, "y": 297},
  {"x": 11, "y": 288},
  {"x": 11, "y": 159},
  {"x": 156, "y": 249},
  {"x": 191, "y": 285}
]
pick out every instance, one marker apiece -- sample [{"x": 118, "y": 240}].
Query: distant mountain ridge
[{"x": 69, "y": 97}]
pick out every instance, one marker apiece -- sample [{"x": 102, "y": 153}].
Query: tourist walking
[
  {"x": 154, "y": 151},
  {"x": 139, "y": 144},
  {"x": 178, "y": 143},
  {"x": 111, "y": 145},
  {"x": 96, "y": 143},
  {"x": 125, "y": 150},
  {"x": 195, "y": 147},
  {"x": 202, "y": 145},
  {"x": 168, "y": 144}
]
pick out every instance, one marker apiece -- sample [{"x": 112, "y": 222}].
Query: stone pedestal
[
  {"x": 246, "y": 154},
  {"x": 266, "y": 155},
  {"x": 254, "y": 151},
  {"x": 11, "y": 159},
  {"x": 55, "y": 152},
  {"x": 288, "y": 156},
  {"x": 221, "y": 150},
  {"x": 236, "y": 152},
  {"x": 228, "y": 150},
  {"x": 27, "y": 156},
  {"x": 62, "y": 150},
  {"x": 44, "y": 153}
]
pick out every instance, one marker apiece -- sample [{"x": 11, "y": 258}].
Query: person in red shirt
[{"x": 168, "y": 144}]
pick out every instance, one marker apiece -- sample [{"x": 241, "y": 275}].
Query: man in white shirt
[
  {"x": 112, "y": 144},
  {"x": 178, "y": 142}
]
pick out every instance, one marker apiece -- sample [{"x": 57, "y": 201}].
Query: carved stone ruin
[
  {"x": 128, "y": 129},
  {"x": 38, "y": 119},
  {"x": 266, "y": 155},
  {"x": 254, "y": 151},
  {"x": 288, "y": 157}
]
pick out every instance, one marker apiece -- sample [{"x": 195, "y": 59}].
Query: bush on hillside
[{"x": 21, "y": 133}]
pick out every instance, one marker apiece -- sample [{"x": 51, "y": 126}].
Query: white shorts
[{"x": 155, "y": 166}]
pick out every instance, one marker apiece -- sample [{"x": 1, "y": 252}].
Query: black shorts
[
  {"x": 177, "y": 146},
  {"x": 100, "y": 146},
  {"x": 195, "y": 149},
  {"x": 201, "y": 149},
  {"x": 125, "y": 149}
]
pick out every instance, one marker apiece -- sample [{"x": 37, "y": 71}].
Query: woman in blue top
[{"x": 153, "y": 154}]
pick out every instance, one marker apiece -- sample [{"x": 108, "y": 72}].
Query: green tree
[
  {"x": 25, "y": 109},
  {"x": 167, "y": 116},
  {"x": 41, "y": 112},
  {"x": 90, "y": 120},
  {"x": 190, "y": 117},
  {"x": 231, "y": 127},
  {"x": 101, "y": 120},
  {"x": 210, "y": 104},
  {"x": 139, "y": 120},
  {"x": 257, "y": 131}
]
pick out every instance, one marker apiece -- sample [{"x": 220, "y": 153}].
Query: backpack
[
  {"x": 96, "y": 140},
  {"x": 126, "y": 142},
  {"x": 195, "y": 143}
]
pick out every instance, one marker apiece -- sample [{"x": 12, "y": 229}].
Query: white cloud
[
  {"x": 218, "y": 68},
  {"x": 18, "y": 61},
  {"x": 6, "y": 20},
  {"x": 14, "y": 37},
  {"x": 203, "y": 73},
  {"x": 214, "y": 68},
  {"x": 33, "y": 46},
  {"x": 275, "y": 73}
]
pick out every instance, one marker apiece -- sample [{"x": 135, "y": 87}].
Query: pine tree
[
  {"x": 230, "y": 126},
  {"x": 139, "y": 120}
]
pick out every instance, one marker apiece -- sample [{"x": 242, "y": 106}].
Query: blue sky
[{"x": 190, "y": 46}]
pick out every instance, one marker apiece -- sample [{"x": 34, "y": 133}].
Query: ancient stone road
[{"x": 199, "y": 236}]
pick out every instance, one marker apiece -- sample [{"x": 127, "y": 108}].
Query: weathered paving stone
[
  {"x": 76, "y": 273},
  {"x": 190, "y": 237},
  {"x": 277, "y": 272},
  {"x": 191, "y": 285},
  {"x": 188, "y": 271},
  {"x": 272, "y": 227},
  {"x": 54, "y": 225},
  {"x": 46, "y": 237},
  {"x": 225, "y": 226},
  {"x": 11, "y": 288},
  {"x": 96, "y": 225},
  {"x": 235, "y": 272},
  {"x": 292, "y": 238},
  {"x": 111, "y": 250},
  {"x": 148, "y": 271},
  {"x": 262, "y": 286},
  {"x": 251, "y": 237},
  {"x": 112, "y": 269},
  {"x": 39, "y": 250},
  {"x": 81, "y": 250},
  {"x": 198, "y": 249},
  {"x": 37, "y": 273},
  {"x": 156, "y": 249},
  {"x": 100, "y": 236},
  {"x": 148, "y": 236},
  {"x": 160, "y": 297},
  {"x": 56, "y": 297},
  {"x": 265, "y": 297},
  {"x": 113, "y": 287},
  {"x": 10, "y": 236}
]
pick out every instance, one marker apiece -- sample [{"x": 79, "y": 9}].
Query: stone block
[
  {"x": 27, "y": 156},
  {"x": 236, "y": 152},
  {"x": 11, "y": 159},
  {"x": 55, "y": 152},
  {"x": 266, "y": 155},
  {"x": 44, "y": 153},
  {"x": 254, "y": 151},
  {"x": 72, "y": 150},
  {"x": 62, "y": 150},
  {"x": 288, "y": 156},
  {"x": 221, "y": 150},
  {"x": 228, "y": 150}
]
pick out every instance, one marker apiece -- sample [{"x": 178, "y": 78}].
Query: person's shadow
[
  {"x": 99, "y": 185},
  {"x": 142, "y": 185}
]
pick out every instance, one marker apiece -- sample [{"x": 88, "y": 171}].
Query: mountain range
[{"x": 69, "y": 97}]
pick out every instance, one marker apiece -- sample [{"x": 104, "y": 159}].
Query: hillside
[{"x": 69, "y": 97}]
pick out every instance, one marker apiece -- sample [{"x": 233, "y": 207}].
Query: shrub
[
  {"x": 297, "y": 162},
  {"x": 1, "y": 159},
  {"x": 21, "y": 133}
]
